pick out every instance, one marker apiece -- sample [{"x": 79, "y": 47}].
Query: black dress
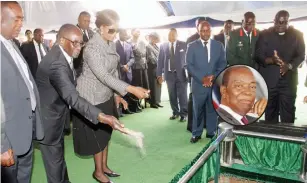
[{"x": 90, "y": 139}]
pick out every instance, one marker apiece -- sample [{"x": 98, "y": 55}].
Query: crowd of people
[{"x": 88, "y": 77}]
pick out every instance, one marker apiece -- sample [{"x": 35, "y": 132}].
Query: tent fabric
[{"x": 50, "y": 15}]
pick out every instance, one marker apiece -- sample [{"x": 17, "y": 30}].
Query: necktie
[
  {"x": 244, "y": 120},
  {"x": 249, "y": 38},
  {"x": 172, "y": 59},
  {"x": 27, "y": 81},
  {"x": 85, "y": 38},
  {"x": 206, "y": 50},
  {"x": 40, "y": 50}
]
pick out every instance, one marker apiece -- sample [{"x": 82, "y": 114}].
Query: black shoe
[
  {"x": 183, "y": 119},
  {"x": 195, "y": 139},
  {"x": 159, "y": 105},
  {"x": 94, "y": 177},
  {"x": 154, "y": 106},
  {"x": 127, "y": 111},
  {"x": 173, "y": 117},
  {"x": 67, "y": 132},
  {"x": 121, "y": 115},
  {"x": 209, "y": 136},
  {"x": 112, "y": 174}
]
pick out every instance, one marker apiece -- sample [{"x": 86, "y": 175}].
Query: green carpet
[{"x": 167, "y": 146}]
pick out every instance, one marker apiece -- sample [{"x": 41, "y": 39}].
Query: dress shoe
[
  {"x": 127, "y": 111},
  {"x": 195, "y": 139},
  {"x": 94, "y": 177},
  {"x": 121, "y": 115},
  {"x": 173, "y": 117},
  {"x": 67, "y": 131},
  {"x": 154, "y": 106},
  {"x": 183, "y": 119},
  {"x": 209, "y": 136},
  {"x": 159, "y": 105},
  {"x": 112, "y": 174}
]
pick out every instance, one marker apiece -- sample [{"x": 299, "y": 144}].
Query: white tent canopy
[{"x": 50, "y": 15}]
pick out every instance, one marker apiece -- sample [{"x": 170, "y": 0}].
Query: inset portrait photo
[{"x": 239, "y": 95}]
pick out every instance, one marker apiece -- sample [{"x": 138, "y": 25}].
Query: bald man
[
  {"x": 238, "y": 95},
  {"x": 205, "y": 60},
  {"x": 20, "y": 117},
  {"x": 56, "y": 81}
]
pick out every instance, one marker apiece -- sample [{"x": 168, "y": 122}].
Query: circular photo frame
[{"x": 239, "y": 95}]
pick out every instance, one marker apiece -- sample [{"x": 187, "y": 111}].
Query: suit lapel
[
  {"x": 62, "y": 57},
  {"x": 177, "y": 48},
  {"x": 34, "y": 51}
]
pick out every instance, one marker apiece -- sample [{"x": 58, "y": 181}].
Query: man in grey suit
[
  {"x": 172, "y": 61},
  {"x": 238, "y": 96},
  {"x": 21, "y": 117},
  {"x": 57, "y": 86}
]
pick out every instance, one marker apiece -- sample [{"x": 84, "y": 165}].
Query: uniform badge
[{"x": 240, "y": 44}]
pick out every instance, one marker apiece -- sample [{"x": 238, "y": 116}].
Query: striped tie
[{"x": 244, "y": 120}]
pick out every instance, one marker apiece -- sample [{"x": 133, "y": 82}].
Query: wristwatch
[{"x": 290, "y": 67}]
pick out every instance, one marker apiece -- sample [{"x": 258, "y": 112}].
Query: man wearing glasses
[
  {"x": 240, "y": 48},
  {"x": 56, "y": 81},
  {"x": 279, "y": 51}
]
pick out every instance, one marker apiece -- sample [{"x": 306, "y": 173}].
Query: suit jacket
[
  {"x": 290, "y": 48},
  {"x": 139, "y": 52},
  {"x": 221, "y": 38},
  {"x": 100, "y": 77},
  {"x": 198, "y": 68},
  {"x": 78, "y": 62},
  {"x": 29, "y": 53},
  {"x": 180, "y": 62},
  {"x": 16, "y": 122},
  {"x": 230, "y": 119},
  {"x": 57, "y": 88},
  {"x": 126, "y": 57},
  {"x": 17, "y": 43},
  {"x": 238, "y": 49}
]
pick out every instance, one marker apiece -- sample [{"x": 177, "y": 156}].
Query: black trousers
[
  {"x": 152, "y": 81},
  {"x": 54, "y": 162},
  {"x": 21, "y": 171},
  {"x": 281, "y": 102}
]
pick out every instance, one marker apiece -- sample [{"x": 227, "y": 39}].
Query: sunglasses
[
  {"x": 112, "y": 31},
  {"x": 75, "y": 43}
]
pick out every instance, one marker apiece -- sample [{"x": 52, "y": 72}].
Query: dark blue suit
[
  {"x": 176, "y": 80},
  {"x": 126, "y": 57},
  {"x": 199, "y": 67}
]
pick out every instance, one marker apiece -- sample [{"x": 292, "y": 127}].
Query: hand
[
  {"x": 207, "y": 81},
  {"x": 160, "y": 80},
  {"x": 276, "y": 60},
  {"x": 126, "y": 68},
  {"x": 259, "y": 106},
  {"x": 120, "y": 100},
  {"x": 305, "y": 100},
  {"x": 284, "y": 68},
  {"x": 139, "y": 92},
  {"x": 111, "y": 121},
  {"x": 7, "y": 158}
]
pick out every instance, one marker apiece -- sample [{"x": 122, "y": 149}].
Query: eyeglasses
[
  {"x": 75, "y": 43},
  {"x": 112, "y": 31}
]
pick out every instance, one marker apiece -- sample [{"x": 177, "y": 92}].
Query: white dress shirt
[
  {"x": 19, "y": 61},
  {"x": 39, "y": 58},
  {"x": 208, "y": 47},
  {"x": 235, "y": 115},
  {"x": 69, "y": 59}
]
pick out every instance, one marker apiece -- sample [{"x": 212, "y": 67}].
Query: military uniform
[{"x": 239, "y": 49}]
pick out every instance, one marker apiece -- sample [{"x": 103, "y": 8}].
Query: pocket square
[{"x": 181, "y": 50}]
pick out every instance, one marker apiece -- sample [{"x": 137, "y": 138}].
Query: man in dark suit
[
  {"x": 84, "y": 21},
  {"x": 171, "y": 60},
  {"x": 191, "y": 39},
  {"x": 205, "y": 60},
  {"x": 34, "y": 50},
  {"x": 20, "y": 115},
  {"x": 125, "y": 52},
  {"x": 57, "y": 86},
  {"x": 242, "y": 43},
  {"x": 223, "y": 37},
  {"x": 280, "y": 50},
  {"x": 238, "y": 95}
]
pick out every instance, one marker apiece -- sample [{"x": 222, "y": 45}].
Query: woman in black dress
[{"x": 97, "y": 84}]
